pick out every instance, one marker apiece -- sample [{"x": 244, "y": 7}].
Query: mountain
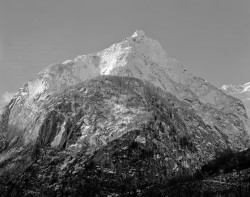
[
  {"x": 119, "y": 121},
  {"x": 239, "y": 91}
]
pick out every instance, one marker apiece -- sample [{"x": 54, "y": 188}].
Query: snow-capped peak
[
  {"x": 137, "y": 56},
  {"x": 237, "y": 88},
  {"x": 144, "y": 58},
  {"x": 246, "y": 87}
]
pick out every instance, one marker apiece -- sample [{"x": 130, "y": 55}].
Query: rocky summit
[{"x": 125, "y": 121}]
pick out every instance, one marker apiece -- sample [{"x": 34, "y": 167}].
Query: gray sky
[{"x": 212, "y": 37}]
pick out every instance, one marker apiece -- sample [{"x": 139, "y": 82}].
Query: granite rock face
[{"x": 128, "y": 103}]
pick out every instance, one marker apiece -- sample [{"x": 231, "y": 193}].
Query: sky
[{"x": 212, "y": 37}]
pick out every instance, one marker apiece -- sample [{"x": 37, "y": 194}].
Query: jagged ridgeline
[{"x": 125, "y": 121}]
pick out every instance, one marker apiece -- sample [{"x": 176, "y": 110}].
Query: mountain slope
[
  {"x": 141, "y": 57},
  {"x": 131, "y": 95},
  {"x": 123, "y": 128}
]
